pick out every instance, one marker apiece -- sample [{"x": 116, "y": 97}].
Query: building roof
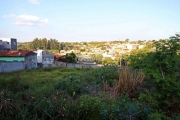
[
  {"x": 59, "y": 56},
  {"x": 15, "y": 53}
]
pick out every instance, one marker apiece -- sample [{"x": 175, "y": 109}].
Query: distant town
[{"x": 43, "y": 52}]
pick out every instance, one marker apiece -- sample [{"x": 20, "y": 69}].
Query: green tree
[
  {"x": 93, "y": 57},
  {"x": 108, "y": 61},
  {"x": 53, "y": 44},
  {"x": 22, "y": 47},
  {"x": 36, "y": 43},
  {"x": 70, "y": 57},
  {"x": 99, "y": 58},
  {"x": 127, "y": 40},
  {"x": 44, "y": 43},
  {"x": 82, "y": 50}
]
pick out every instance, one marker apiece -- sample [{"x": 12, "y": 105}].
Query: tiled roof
[
  {"x": 59, "y": 56},
  {"x": 15, "y": 53}
]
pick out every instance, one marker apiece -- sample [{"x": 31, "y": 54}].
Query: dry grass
[
  {"x": 127, "y": 84},
  {"x": 7, "y": 108}
]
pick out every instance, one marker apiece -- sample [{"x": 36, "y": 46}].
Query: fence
[{"x": 6, "y": 66}]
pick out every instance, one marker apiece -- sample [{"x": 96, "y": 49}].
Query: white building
[
  {"x": 131, "y": 46},
  {"x": 108, "y": 55}
]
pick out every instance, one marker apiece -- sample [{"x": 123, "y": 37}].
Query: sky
[{"x": 89, "y": 20}]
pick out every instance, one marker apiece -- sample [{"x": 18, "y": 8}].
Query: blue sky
[{"x": 89, "y": 20}]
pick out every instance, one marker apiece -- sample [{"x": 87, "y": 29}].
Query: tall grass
[
  {"x": 127, "y": 83},
  {"x": 61, "y": 93}
]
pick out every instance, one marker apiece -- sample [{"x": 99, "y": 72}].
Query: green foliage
[
  {"x": 158, "y": 116},
  {"x": 49, "y": 69},
  {"x": 12, "y": 83},
  {"x": 69, "y": 94},
  {"x": 70, "y": 57},
  {"x": 72, "y": 86},
  {"x": 107, "y": 73},
  {"x": 162, "y": 70},
  {"x": 51, "y": 44},
  {"x": 125, "y": 109},
  {"x": 89, "y": 107},
  {"x": 108, "y": 61},
  {"x": 99, "y": 58}
]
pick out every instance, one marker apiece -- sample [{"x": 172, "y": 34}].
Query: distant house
[
  {"x": 108, "y": 55},
  {"x": 8, "y": 44},
  {"x": 60, "y": 57},
  {"x": 17, "y": 60},
  {"x": 44, "y": 58},
  {"x": 131, "y": 46}
]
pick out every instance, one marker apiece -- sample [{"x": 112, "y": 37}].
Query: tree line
[{"x": 45, "y": 44}]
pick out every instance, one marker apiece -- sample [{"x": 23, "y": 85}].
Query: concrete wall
[
  {"x": 60, "y": 64},
  {"x": 9, "y": 43},
  {"x": 6, "y": 46},
  {"x": 86, "y": 66},
  {"x": 31, "y": 61},
  {"x": 1, "y": 45},
  {"x": 47, "y": 59},
  {"x": 13, "y": 44},
  {"x": 11, "y": 66},
  {"x": 70, "y": 65},
  {"x": 44, "y": 58},
  {"x": 76, "y": 65}
]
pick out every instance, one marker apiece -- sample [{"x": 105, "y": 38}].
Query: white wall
[{"x": 39, "y": 56}]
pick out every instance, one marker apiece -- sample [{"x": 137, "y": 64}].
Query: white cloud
[
  {"x": 34, "y": 2},
  {"x": 9, "y": 16},
  {"x": 30, "y": 20}
]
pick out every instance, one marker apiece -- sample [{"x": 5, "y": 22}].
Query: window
[{"x": 14, "y": 43}]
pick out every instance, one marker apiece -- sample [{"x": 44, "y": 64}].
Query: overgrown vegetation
[{"x": 146, "y": 88}]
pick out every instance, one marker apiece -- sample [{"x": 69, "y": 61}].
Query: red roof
[
  {"x": 59, "y": 56},
  {"x": 15, "y": 53}
]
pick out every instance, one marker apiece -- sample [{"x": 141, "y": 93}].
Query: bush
[
  {"x": 161, "y": 68},
  {"x": 158, "y": 116},
  {"x": 124, "y": 109},
  {"x": 70, "y": 57},
  {"x": 89, "y": 107}
]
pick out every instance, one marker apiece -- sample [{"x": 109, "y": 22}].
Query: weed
[{"x": 127, "y": 83}]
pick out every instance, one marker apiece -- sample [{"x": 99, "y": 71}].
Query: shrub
[
  {"x": 158, "y": 116},
  {"x": 89, "y": 107},
  {"x": 161, "y": 68},
  {"x": 125, "y": 109}
]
